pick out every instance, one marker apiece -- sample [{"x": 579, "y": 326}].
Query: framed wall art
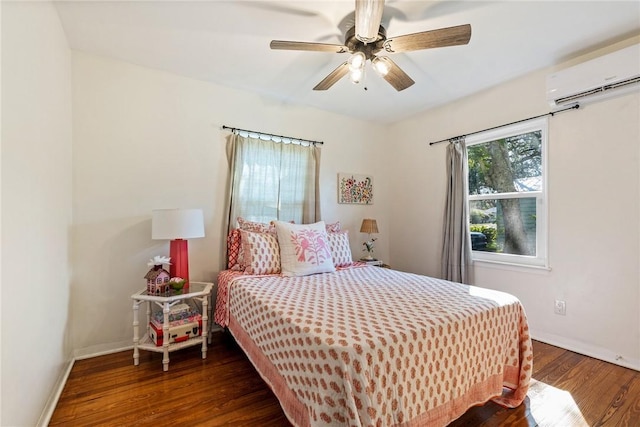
[{"x": 356, "y": 189}]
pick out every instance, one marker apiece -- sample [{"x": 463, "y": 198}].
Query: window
[
  {"x": 273, "y": 180},
  {"x": 507, "y": 194}
]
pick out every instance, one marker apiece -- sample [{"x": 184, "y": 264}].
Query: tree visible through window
[{"x": 507, "y": 209}]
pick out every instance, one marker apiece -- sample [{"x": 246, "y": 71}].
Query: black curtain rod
[
  {"x": 270, "y": 135},
  {"x": 573, "y": 107}
]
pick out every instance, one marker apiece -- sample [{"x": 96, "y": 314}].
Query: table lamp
[
  {"x": 177, "y": 225},
  {"x": 369, "y": 226}
]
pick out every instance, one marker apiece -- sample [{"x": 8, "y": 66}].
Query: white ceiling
[{"x": 227, "y": 43}]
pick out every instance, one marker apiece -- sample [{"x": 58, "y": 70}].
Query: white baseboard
[
  {"x": 102, "y": 349},
  {"x": 52, "y": 402},
  {"x": 596, "y": 352}
]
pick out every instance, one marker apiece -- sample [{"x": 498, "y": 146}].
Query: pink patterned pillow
[
  {"x": 233, "y": 250},
  {"x": 340, "y": 249},
  {"x": 304, "y": 249},
  {"x": 261, "y": 253},
  {"x": 334, "y": 227},
  {"x": 256, "y": 227}
]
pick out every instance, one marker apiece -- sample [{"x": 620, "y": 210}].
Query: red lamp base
[{"x": 179, "y": 254}]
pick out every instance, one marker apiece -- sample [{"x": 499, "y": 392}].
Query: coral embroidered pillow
[
  {"x": 261, "y": 253},
  {"x": 256, "y": 227},
  {"x": 333, "y": 227},
  {"x": 340, "y": 249},
  {"x": 233, "y": 250},
  {"x": 304, "y": 249}
]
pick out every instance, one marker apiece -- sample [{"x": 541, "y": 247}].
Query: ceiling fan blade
[
  {"x": 368, "y": 17},
  {"x": 451, "y": 36},
  {"x": 395, "y": 76},
  {"x": 314, "y": 47},
  {"x": 333, "y": 77}
]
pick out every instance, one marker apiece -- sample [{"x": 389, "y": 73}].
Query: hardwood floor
[{"x": 568, "y": 390}]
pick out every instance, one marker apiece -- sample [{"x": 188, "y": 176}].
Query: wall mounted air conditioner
[{"x": 610, "y": 75}]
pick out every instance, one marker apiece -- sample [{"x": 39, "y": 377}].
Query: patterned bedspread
[{"x": 371, "y": 346}]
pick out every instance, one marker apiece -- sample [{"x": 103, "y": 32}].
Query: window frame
[
  {"x": 540, "y": 260},
  {"x": 271, "y": 159}
]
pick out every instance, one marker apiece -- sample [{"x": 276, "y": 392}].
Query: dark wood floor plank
[
  {"x": 623, "y": 409},
  {"x": 572, "y": 389},
  {"x": 224, "y": 390},
  {"x": 544, "y": 353}
]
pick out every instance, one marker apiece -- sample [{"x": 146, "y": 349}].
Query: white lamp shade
[{"x": 169, "y": 224}]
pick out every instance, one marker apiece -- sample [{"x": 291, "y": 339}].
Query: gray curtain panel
[{"x": 456, "y": 245}]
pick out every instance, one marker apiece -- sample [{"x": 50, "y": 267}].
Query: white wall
[
  {"x": 36, "y": 207},
  {"x": 594, "y": 195},
  {"x": 146, "y": 139}
]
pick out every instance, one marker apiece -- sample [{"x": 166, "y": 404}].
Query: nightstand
[
  {"x": 199, "y": 292},
  {"x": 375, "y": 262}
]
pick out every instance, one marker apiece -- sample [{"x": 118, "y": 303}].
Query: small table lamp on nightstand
[
  {"x": 369, "y": 226},
  {"x": 178, "y": 225}
]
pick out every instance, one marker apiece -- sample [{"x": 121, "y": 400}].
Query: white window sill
[{"x": 482, "y": 263}]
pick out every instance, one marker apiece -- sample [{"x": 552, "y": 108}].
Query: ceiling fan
[{"x": 368, "y": 38}]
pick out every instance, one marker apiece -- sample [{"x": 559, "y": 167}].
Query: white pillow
[
  {"x": 340, "y": 249},
  {"x": 304, "y": 249}
]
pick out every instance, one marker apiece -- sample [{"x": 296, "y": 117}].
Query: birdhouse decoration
[{"x": 158, "y": 278}]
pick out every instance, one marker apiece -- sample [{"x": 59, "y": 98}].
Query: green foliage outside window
[{"x": 490, "y": 231}]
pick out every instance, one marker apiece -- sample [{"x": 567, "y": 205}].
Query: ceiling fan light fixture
[
  {"x": 367, "y": 38},
  {"x": 356, "y": 75},
  {"x": 381, "y": 65},
  {"x": 357, "y": 61},
  {"x": 368, "y": 18}
]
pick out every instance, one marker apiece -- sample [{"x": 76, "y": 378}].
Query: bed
[{"x": 358, "y": 345}]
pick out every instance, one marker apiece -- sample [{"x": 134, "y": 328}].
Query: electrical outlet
[{"x": 560, "y": 307}]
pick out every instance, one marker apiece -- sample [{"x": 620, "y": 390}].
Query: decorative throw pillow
[
  {"x": 304, "y": 248},
  {"x": 261, "y": 253},
  {"x": 340, "y": 249},
  {"x": 233, "y": 249},
  {"x": 334, "y": 227},
  {"x": 256, "y": 227}
]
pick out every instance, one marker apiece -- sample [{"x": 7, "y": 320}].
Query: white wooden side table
[
  {"x": 198, "y": 291},
  {"x": 375, "y": 262}
]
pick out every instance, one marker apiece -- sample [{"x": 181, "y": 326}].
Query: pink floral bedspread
[{"x": 371, "y": 346}]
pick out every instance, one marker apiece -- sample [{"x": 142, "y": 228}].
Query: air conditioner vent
[
  {"x": 597, "y": 91},
  {"x": 610, "y": 75}
]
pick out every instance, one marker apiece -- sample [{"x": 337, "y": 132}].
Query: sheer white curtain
[
  {"x": 456, "y": 245},
  {"x": 272, "y": 181}
]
